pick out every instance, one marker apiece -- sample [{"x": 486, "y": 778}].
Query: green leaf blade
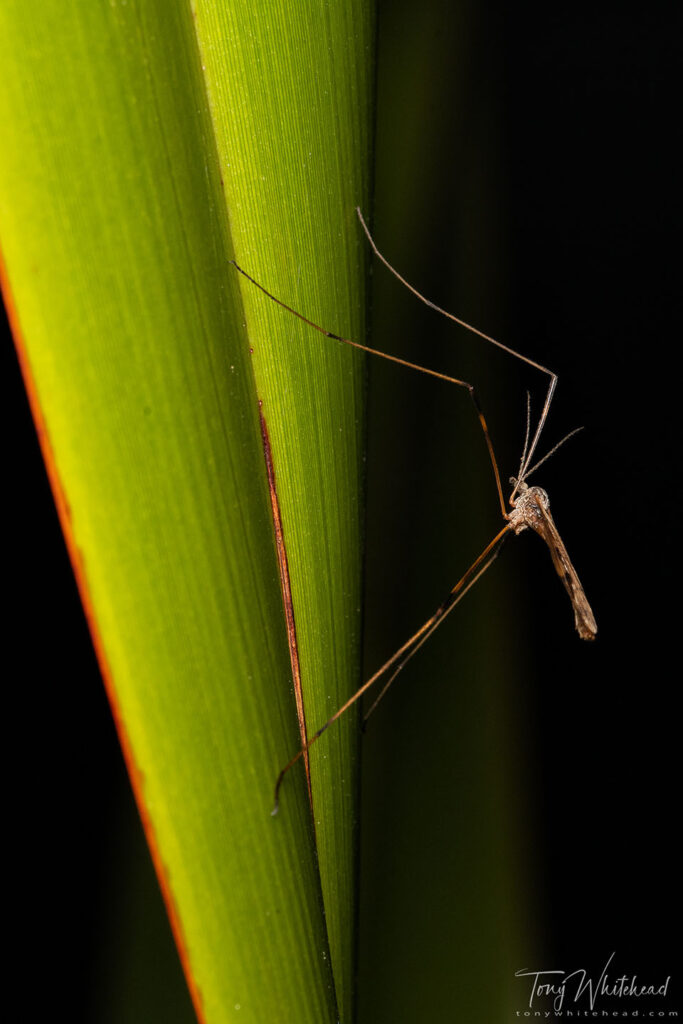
[
  {"x": 295, "y": 163},
  {"x": 116, "y": 244}
]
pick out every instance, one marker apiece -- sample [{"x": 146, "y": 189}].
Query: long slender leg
[
  {"x": 455, "y": 596},
  {"x": 486, "y": 337},
  {"x": 401, "y": 362},
  {"x": 408, "y": 649}
]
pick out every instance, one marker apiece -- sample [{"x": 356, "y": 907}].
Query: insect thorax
[{"x": 526, "y": 508}]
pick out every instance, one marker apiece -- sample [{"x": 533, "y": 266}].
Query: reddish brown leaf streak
[
  {"x": 286, "y": 593},
  {"x": 137, "y": 777}
]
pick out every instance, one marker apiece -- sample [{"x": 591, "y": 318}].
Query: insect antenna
[
  {"x": 526, "y": 436},
  {"x": 527, "y": 472}
]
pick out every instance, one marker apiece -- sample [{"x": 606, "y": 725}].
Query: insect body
[{"x": 531, "y": 510}]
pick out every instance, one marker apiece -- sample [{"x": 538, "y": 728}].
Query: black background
[{"x": 526, "y": 179}]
